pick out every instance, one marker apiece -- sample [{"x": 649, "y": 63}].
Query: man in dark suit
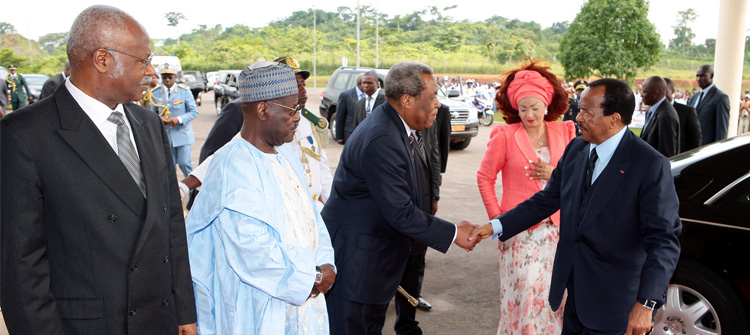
[
  {"x": 662, "y": 127},
  {"x": 444, "y": 136},
  {"x": 411, "y": 281},
  {"x": 93, "y": 234},
  {"x": 52, "y": 83},
  {"x": 345, "y": 111},
  {"x": 376, "y": 208},
  {"x": 712, "y": 106},
  {"x": 617, "y": 249},
  {"x": 373, "y": 97},
  {"x": 690, "y": 127}
]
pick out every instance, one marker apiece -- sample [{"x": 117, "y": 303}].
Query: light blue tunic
[{"x": 244, "y": 271}]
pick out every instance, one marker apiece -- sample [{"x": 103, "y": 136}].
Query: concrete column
[{"x": 730, "y": 53}]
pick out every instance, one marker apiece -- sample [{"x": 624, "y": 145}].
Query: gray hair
[
  {"x": 92, "y": 29},
  {"x": 406, "y": 78}
]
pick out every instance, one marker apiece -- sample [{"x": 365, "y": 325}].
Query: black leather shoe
[{"x": 423, "y": 304}]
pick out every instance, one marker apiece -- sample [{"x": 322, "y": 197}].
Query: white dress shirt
[{"x": 98, "y": 113}]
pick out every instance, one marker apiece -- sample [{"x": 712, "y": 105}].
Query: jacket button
[
  {"x": 112, "y": 218},
  {"x": 165, "y": 302},
  {"x": 166, "y": 259},
  {"x": 133, "y": 268},
  {"x": 132, "y": 312},
  {"x": 164, "y": 208}
]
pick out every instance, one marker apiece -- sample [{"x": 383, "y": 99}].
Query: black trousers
[
  {"x": 411, "y": 281},
  {"x": 347, "y": 317},
  {"x": 572, "y": 325}
]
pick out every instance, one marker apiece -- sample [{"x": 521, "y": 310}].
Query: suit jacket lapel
[
  {"x": 149, "y": 167},
  {"x": 86, "y": 139},
  {"x": 395, "y": 118},
  {"x": 612, "y": 176},
  {"x": 577, "y": 178},
  {"x": 709, "y": 94}
]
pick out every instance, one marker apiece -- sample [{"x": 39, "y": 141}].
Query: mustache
[
  {"x": 294, "y": 127},
  {"x": 145, "y": 81}
]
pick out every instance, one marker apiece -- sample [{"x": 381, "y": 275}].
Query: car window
[
  {"x": 342, "y": 81},
  {"x": 738, "y": 196}
]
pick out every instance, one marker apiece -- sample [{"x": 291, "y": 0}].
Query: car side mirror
[{"x": 453, "y": 93}]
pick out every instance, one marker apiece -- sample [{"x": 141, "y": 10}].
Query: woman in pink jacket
[{"x": 526, "y": 150}]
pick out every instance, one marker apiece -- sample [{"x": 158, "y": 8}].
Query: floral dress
[{"x": 525, "y": 272}]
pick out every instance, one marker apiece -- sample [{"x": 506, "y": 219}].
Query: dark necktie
[
  {"x": 700, "y": 99},
  {"x": 590, "y": 170},
  {"x": 126, "y": 150},
  {"x": 648, "y": 118},
  {"x": 420, "y": 145},
  {"x": 367, "y": 109}
]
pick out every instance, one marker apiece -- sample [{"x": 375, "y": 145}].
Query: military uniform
[
  {"x": 307, "y": 141},
  {"x": 177, "y": 101},
  {"x": 15, "y": 85},
  {"x": 310, "y": 140}
]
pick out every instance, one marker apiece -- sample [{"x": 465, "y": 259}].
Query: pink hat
[{"x": 528, "y": 83}]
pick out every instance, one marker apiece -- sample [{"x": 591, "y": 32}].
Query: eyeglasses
[
  {"x": 144, "y": 61},
  {"x": 296, "y": 108}
]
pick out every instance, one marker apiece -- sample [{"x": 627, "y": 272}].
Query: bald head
[
  {"x": 705, "y": 76},
  {"x": 654, "y": 89},
  {"x": 96, "y": 27}
]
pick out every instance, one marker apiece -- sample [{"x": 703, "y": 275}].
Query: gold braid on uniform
[
  {"x": 165, "y": 108},
  {"x": 309, "y": 153},
  {"x": 11, "y": 83}
]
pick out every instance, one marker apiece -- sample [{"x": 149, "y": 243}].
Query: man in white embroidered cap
[{"x": 261, "y": 252}]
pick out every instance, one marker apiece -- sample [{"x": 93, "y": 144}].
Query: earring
[{"x": 545, "y": 112}]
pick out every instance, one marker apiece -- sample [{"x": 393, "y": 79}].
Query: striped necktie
[
  {"x": 126, "y": 150},
  {"x": 420, "y": 145}
]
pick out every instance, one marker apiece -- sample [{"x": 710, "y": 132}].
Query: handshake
[{"x": 468, "y": 235}]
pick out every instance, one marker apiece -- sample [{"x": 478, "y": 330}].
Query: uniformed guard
[
  {"x": 147, "y": 97},
  {"x": 176, "y": 106},
  {"x": 310, "y": 140},
  {"x": 16, "y": 84},
  {"x": 573, "y": 109}
]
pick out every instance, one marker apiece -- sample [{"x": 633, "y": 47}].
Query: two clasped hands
[{"x": 468, "y": 235}]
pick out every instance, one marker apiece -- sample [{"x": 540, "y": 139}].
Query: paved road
[{"x": 462, "y": 287}]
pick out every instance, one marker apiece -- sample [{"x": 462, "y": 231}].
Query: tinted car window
[{"x": 341, "y": 82}]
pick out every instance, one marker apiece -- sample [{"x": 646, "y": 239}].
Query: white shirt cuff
[{"x": 497, "y": 229}]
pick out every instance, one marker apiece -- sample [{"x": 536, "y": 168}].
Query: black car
[
  {"x": 35, "y": 82},
  {"x": 342, "y": 79},
  {"x": 710, "y": 290},
  {"x": 195, "y": 85}
]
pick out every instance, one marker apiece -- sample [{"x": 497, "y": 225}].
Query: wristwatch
[
  {"x": 319, "y": 276},
  {"x": 650, "y": 304}
]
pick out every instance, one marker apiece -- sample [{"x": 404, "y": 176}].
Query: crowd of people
[{"x": 95, "y": 240}]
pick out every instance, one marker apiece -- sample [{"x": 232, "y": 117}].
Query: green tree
[
  {"x": 610, "y": 38},
  {"x": 52, "y": 41},
  {"x": 173, "y": 19},
  {"x": 682, "y": 31},
  {"x": 6, "y": 28}
]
